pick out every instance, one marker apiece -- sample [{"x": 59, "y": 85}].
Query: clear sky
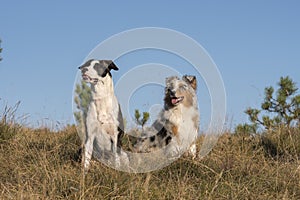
[{"x": 253, "y": 43}]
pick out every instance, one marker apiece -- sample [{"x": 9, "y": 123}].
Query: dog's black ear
[
  {"x": 112, "y": 65},
  {"x": 108, "y": 64},
  {"x": 190, "y": 80}
]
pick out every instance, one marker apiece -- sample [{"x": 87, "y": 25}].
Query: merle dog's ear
[
  {"x": 190, "y": 80},
  {"x": 111, "y": 65},
  {"x": 167, "y": 80},
  {"x": 170, "y": 78}
]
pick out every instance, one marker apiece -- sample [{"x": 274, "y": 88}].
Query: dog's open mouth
[
  {"x": 89, "y": 79},
  {"x": 176, "y": 100},
  {"x": 85, "y": 77}
]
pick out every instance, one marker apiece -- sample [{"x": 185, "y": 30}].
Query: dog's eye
[
  {"x": 168, "y": 90},
  {"x": 183, "y": 87}
]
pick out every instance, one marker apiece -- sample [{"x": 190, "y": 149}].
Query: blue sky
[{"x": 253, "y": 43}]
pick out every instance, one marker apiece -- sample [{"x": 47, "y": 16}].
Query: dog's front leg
[
  {"x": 88, "y": 151},
  {"x": 114, "y": 149},
  {"x": 193, "y": 150}
]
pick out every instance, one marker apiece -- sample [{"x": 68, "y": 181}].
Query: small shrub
[{"x": 282, "y": 108}]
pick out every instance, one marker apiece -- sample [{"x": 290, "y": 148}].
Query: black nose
[
  {"x": 83, "y": 69},
  {"x": 172, "y": 92}
]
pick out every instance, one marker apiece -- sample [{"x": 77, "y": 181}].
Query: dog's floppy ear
[
  {"x": 190, "y": 80},
  {"x": 111, "y": 65}
]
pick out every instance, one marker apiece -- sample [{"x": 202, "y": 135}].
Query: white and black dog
[{"x": 104, "y": 120}]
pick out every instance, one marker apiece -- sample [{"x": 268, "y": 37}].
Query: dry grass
[{"x": 42, "y": 164}]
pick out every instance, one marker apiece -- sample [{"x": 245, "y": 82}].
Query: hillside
[{"x": 42, "y": 164}]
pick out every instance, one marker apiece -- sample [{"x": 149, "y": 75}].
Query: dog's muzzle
[{"x": 176, "y": 100}]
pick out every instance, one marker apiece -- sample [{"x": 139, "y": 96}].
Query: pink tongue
[{"x": 174, "y": 100}]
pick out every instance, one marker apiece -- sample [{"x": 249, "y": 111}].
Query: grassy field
[{"x": 43, "y": 164}]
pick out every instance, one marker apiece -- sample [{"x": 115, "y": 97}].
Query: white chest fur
[
  {"x": 184, "y": 119},
  {"x": 104, "y": 109}
]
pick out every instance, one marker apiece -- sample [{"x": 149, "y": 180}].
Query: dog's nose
[
  {"x": 172, "y": 92},
  {"x": 83, "y": 69}
]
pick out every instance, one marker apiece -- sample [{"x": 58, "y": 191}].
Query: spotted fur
[{"x": 178, "y": 123}]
